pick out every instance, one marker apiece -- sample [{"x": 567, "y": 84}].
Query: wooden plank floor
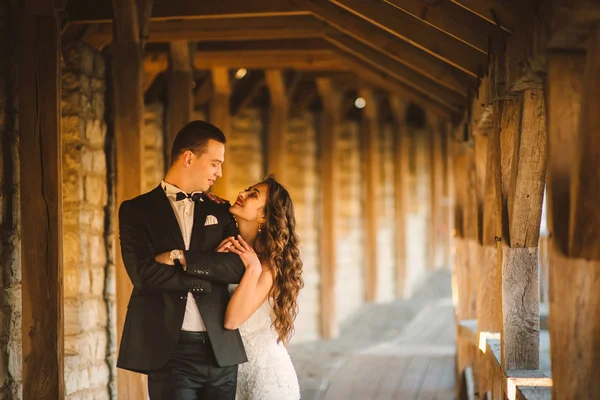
[{"x": 379, "y": 357}]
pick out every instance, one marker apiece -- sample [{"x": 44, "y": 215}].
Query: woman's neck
[{"x": 248, "y": 231}]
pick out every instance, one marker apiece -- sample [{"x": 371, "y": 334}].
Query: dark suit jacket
[{"x": 148, "y": 226}]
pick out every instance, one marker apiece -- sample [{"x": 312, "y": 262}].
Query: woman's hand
[
  {"x": 225, "y": 245},
  {"x": 246, "y": 253}
]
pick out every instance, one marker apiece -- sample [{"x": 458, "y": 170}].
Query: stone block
[
  {"x": 97, "y": 251},
  {"x": 97, "y": 221},
  {"x": 97, "y": 281},
  {"x": 95, "y": 132},
  {"x": 71, "y": 316},
  {"x": 72, "y": 127},
  {"x": 85, "y": 282},
  {"x": 70, "y": 81},
  {"x": 99, "y": 162},
  {"x": 99, "y": 375},
  {"x": 98, "y": 105},
  {"x": 95, "y": 190}
]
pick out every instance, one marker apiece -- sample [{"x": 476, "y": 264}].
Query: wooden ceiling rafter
[
  {"x": 412, "y": 57},
  {"x": 423, "y": 36},
  {"x": 454, "y": 20}
]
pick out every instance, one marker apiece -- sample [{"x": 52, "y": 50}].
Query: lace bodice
[{"x": 260, "y": 320}]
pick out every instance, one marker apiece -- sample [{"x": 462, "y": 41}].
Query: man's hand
[
  {"x": 215, "y": 198},
  {"x": 225, "y": 245},
  {"x": 164, "y": 258}
]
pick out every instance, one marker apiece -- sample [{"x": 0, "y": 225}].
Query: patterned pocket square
[{"x": 211, "y": 220}]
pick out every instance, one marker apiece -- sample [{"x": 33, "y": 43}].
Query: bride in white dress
[{"x": 264, "y": 305}]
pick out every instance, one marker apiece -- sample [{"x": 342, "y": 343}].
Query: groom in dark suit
[{"x": 174, "y": 325}]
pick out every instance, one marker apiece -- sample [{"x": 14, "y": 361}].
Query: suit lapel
[
  {"x": 200, "y": 213},
  {"x": 165, "y": 211}
]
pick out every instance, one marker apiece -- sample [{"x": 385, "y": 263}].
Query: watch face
[{"x": 175, "y": 254}]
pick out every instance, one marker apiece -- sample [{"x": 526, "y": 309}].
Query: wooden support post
[
  {"x": 40, "y": 156},
  {"x": 372, "y": 183},
  {"x": 489, "y": 288},
  {"x": 329, "y": 134},
  {"x": 221, "y": 117},
  {"x": 437, "y": 195},
  {"x": 128, "y": 122},
  {"x": 179, "y": 93},
  {"x": 278, "y": 125},
  {"x": 523, "y": 170},
  {"x": 401, "y": 181},
  {"x": 574, "y": 322}
]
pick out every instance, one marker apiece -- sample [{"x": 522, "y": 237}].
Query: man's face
[{"x": 206, "y": 168}]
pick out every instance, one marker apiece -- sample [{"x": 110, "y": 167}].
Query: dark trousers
[{"x": 192, "y": 373}]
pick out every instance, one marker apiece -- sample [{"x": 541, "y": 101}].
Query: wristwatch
[{"x": 176, "y": 255}]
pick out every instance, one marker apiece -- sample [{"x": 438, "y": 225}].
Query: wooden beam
[
  {"x": 128, "y": 121},
  {"x": 329, "y": 134},
  {"x": 366, "y": 74},
  {"x": 272, "y": 59},
  {"x": 421, "y": 35},
  {"x": 278, "y": 125},
  {"x": 401, "y": 190},
  {"x": 584, "y": 238},
  {"x": 39, "y": 84},
  {"x": 84, "y": 11},
  {"x": 387, "y": 43},
  {"x": 495, "y": 11},
  {"x": 574, "y": 281},
  {"x": 455, "y": 20},
  {"x": 455, "y": 95},
  {"x": 371, "y": 185},
  {"x": 564, "y": 92},
  {"x": 437, "y": 239},
  {"x": 220, "y": 116},
  {"x": 220, "y": 29},
  {"x": 246, "y": 90},
  {"x": 179, "y": 93}
]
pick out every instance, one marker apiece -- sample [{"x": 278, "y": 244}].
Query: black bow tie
[{"x": 194, "y": 196}]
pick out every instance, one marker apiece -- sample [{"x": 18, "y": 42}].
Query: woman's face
[{"x": 250, "y": 203}]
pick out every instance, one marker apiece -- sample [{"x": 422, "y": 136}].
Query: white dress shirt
[{"x": 184, "y": 211}]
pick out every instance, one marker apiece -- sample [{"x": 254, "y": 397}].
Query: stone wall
[
  {"x": 387, "y": 227},
  {"x": 244, "y": 156},
  {"x": 303, "y": 185},
  {"x": 10, "y": 242},
  {"x": 349, "y": 289},
  {"x": 153, "y": 154},
  {"x": 88, "y": 288}
]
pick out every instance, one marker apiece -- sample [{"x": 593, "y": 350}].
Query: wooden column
[
  {"x": 489, "y": 288},
  {"x": 437, "y": 195},
  {"x": 40, "y": 168},
  {"x": 221, "y": 117},
  {"x": 179, "y": 93},
  {"x": 523, "y": 169},
  {"x": 401, "y": 187},
  {"x": 329, "y": 135},
  {"x": 278, "y": 125},
  {"x": 573, "y": 186},
  {"x": 128, "y": 122},
  {"x": 371, "y": 187}
]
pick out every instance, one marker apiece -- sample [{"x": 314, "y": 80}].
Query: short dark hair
[{"x": 194, "y": 137}]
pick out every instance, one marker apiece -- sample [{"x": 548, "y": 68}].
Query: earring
[{"x": 259, "y": 228}]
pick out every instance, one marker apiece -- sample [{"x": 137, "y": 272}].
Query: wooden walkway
[{"x": 399, "y": 350}]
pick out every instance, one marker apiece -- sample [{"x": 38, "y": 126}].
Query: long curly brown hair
[{"x": 277, "y": 243}]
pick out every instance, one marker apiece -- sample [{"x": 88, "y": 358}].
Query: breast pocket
[{"x": 213, "y": 235}]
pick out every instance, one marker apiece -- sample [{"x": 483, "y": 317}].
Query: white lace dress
[{"x": 269, "y": 373}]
